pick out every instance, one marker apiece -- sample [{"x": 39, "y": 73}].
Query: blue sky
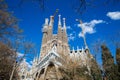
[{"x": 102, "y": 18}]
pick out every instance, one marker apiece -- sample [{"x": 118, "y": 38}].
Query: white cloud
[
  {"x": 28, "y": 64},
  {"x": 31, "y": 62},
  {"x": 69, "y": 27},
  {"x": 88, "y": 27},
  {"x": 71, "y": 36},
  {"x": 114, "y": 15},
  {"x": 20, "y": 54}
]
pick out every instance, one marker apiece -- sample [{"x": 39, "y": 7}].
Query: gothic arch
[
  {"x": 51, "y": 72},
  {"x": 41, "y": 74},
  {"x": 36, "y": 74},
  {"x": 54, "y": 42}
]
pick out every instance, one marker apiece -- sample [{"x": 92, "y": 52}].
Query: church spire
[
  {"x": 45, "y": 25},
  {"x": 59, "y": 28},
  {"x": 64, "y": 32},
  {"x": 50, "y": 29},
  {"x": 59, "y": 20},
  {"x": 46, "y": 21},
  {"x": 51, "y": 21},
  {"x": 64, "y": 23}
]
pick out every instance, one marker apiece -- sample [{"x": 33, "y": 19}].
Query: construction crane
[
  {"x": 55, "y": 13},
  {"x": 80, "y": 21}
]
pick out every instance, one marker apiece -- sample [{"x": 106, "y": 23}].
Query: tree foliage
[
  {"x": 10, "y": 45},
  {"x": 95, "y": 70},
  {"x": 79, "y": 6},
  {"x": 7, "y": 55},
  {"x": 73, "y": 69},
  {"x": 7, "y": 59},
  {"x": 118, "y": 58},
  {"x": 8, "y": 23},
  {"x": 109, "y": 67}
]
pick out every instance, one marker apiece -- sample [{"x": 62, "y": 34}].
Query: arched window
[
  {"x": 54, "y": 42},
  {"x": 42, "y": 71},
  {"x": 36, "y": 74},
  {"x": 23, "y": 76}
]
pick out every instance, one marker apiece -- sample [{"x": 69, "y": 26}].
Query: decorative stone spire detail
[
  {"x": 59, "y": 20},
  {"x": 64, "y": 32},
  {"x": 77, "y": 47},
  {"x": 64, "y": 24},
  {"x": 51, "y": 20},
  {"x": 46, "y": 21},
  {"x": 86, "y": 47},
  {"x": 73, "y": 50},
  {"x": 82, "y": 49},
  {"x": 34, "y": 60}
]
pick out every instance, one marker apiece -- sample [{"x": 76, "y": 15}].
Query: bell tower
[
  {"x": 51, "y": 40},
  {"x": 45, "y": 31},
  {"x": 54, "y": 51}
]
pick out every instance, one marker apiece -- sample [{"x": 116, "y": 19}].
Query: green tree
[
  {"x": 7, "y": 58},
  {"x": 95, "y": 70},
  {"x": 75, "y": 73},
  {"x": 110, "y": 71},
  {"x": 118, "y": 59},
  {"x": 74, "y": 69},
  {"x": 8, "y": 23},
  {"x": 9, "y": 29}
]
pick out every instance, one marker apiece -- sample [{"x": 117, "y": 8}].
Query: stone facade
[
  {"x": 23, "y": 70},
  {"x": 50, "y": 40},
  {"x": 45, "y": 67}
]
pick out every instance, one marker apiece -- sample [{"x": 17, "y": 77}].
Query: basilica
[{"x": 53, "y": 48}]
